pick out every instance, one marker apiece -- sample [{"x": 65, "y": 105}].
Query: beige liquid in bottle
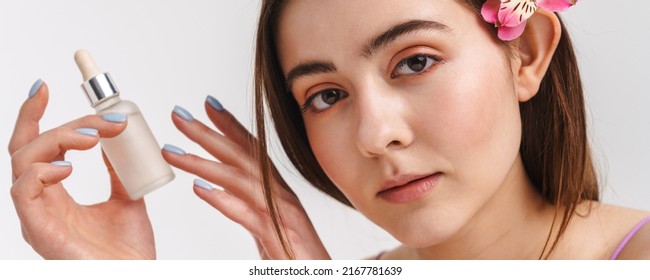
[{"x": 134, "y": 153}]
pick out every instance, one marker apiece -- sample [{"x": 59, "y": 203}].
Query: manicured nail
[
  {"x": 87, "y": 131},
  {"x": 114, "y": 117},
  {"x": 214, "y": 103},
  {"x": 184, "y": 114},
  {"x": 35, "y": 87},
  {"x": 173, "y": 149},
  {"x": 202, "y": 184},
  {"x": 61, "y": 163}
]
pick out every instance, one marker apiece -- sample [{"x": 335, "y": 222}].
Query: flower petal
[
  {"x": 514, "y": 12},
  {"x": 507, "y": 33},
  {"x": 490, "y": 10},
  {"x": 556, "y": 5}
]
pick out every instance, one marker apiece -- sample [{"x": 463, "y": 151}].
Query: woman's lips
[{"x": 410, "y": 191}]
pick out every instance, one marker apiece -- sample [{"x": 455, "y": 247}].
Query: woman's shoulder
[{"x": 622, "y": 232}]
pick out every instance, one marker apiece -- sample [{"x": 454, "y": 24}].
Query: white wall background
[{"x": 163, "y": 53}]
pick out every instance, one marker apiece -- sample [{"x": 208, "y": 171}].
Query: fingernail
[
  {"x": 214, "y": 103},
  {"x": 87, "y": 131},
  {"x": 114, "y": 117},
  {"x": 61, "y": 163},
  {"x": 173, "y": 149},
  {"x": 184, "y": 114},
  {"x": 35, "y": 87},
  {"x": 202, "y": 184}
]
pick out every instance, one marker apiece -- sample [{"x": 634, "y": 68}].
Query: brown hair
[{"x": 554, "y": 146}]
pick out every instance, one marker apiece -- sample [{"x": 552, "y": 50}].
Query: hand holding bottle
[
  {"x": 52, "y": 222},
  {"x": 241, "y": 199}
]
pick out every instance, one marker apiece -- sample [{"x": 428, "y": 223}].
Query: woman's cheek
[
  {"x": 484, "y": 141},
  {"x": 332, "y": 151}
]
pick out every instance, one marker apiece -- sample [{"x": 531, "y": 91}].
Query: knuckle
[
  {"x": 239, "y": 177},
  {"x": 25, "y": 237},
  {"x": 192, "y": 160},
  {"x": 57, "y": 133},
  {"x": 19, "y": 165},
  {"x": 89, "y": 118},
  {"x": 85, "y": 121},
  {"x": 11, "y": 148},
  {"x": 15, "y": 160},
  {"x": 204, "y": 132},
  {"x": 14, "y": 191},
  {"x": 263, "y": 214},
  {"x": 16, "y": 188}
]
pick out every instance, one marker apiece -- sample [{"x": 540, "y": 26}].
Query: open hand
[
  {"x": 237, "y": 171},
  {"x": 52, "y": 222}
]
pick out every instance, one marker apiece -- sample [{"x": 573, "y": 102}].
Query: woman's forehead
[
  {"x": 361, "y": 15},
  {"x": 313, "y": 29}
]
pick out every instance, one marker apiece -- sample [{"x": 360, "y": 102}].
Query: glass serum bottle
[{"x": 134, "y": 153}]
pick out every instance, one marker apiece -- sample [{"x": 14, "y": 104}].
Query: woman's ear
[{"x": 536, "y": 48}]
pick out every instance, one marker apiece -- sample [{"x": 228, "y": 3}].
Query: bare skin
[
  {"x": 459, "y": 118},
  {"x": 450, "y": 116},
  {"x": 57, "y": 227},
  {"x": 51, "y": 221}
]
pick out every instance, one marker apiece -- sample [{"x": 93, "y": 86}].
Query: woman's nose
[{"x": 383, "y": 124}]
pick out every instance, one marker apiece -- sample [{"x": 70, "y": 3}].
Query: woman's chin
[{"x": 422, "y": 237}]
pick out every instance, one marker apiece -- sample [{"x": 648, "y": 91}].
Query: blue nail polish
[
  {"x": 173, "y": 149},
  {"x": 87, "y": 131},
  {"x": 61, "y": 163},
  {"x": 202, "y": 184},
  {"x": 181, "y": 112},
  {"x": 35, "y": 87},
  {"x": 214, "y": 103},
  {"x": 114, "y": 117}
]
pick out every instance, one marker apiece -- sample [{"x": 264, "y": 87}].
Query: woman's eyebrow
[
  {"x": 308, "y": 68},
  {"x": 376, "y": 43},
  {"x": 398, "y": 30}
]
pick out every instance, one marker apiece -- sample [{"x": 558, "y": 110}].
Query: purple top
[{"x": 628, "y": 237}]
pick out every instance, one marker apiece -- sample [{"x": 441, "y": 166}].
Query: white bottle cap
[{"x": 96, "y": 86}]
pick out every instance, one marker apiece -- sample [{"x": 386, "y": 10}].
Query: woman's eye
[
  {"x": 414, "y": 65},
  {"x": 324, "y": 99}
]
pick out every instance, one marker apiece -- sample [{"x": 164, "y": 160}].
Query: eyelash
[
  {"x": 430, "y": 61},
  {"x": 310, "y": 100}
]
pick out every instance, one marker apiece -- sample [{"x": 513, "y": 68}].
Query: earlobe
[{"x": 536, "y": 48}]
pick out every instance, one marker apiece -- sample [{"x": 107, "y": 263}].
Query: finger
[
  {"x": 81, "y": 134},
  {"x": 236, "y": 132},
  {"x": 254, "y": 220},
  {"x": 31, "y": 112},
  {"x": 228, "y": 124},
  {"x": 234, "y": 180},
  {"x": 261, "y": 250},
  {"x": 24, "y": 234},
  {"x": 108, "y": 125},
  {"x": 222, "y": 148},
  {"x": 30, "y": 185}
]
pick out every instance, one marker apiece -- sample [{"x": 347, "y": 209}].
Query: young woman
[{"x": 456, "y": 127}]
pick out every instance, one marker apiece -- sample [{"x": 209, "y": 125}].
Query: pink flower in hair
[{"x": 510, "y": 16}]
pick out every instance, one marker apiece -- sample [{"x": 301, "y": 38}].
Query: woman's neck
[{"x": 513, "y": 224}]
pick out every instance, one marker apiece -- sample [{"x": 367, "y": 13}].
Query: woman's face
[{"x": 409, "y": 107}]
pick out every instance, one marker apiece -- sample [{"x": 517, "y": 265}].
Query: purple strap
[{"x": 628, "y": 237}]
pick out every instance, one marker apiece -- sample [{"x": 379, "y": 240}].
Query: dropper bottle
[{"x": 134, "y": 153}]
